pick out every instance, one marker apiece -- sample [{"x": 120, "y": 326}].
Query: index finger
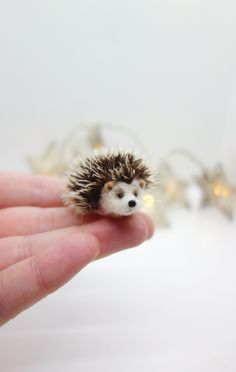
[{"x": 18, "y": 189}]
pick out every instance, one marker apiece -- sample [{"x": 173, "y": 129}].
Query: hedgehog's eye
[
  {"x": 135, "y": 193},
  {"x": 120, "y": 194}
]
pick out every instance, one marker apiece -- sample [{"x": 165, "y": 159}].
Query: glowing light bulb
[{"x": 149, "y": 201}]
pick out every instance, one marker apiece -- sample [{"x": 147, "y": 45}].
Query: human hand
[{"x": 43, "y": 244}]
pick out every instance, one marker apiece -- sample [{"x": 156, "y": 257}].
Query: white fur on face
[{"x": 123, "y": 199}]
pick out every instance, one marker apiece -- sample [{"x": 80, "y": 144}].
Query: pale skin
[{"x": 43, "y": 244}]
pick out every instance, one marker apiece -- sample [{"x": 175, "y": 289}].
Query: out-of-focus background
[{"x": 164, "y": 70}]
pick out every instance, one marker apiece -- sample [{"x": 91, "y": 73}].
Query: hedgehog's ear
[
  {"x": 108, "y": 186},
  {"x": 142, "y": 183}
]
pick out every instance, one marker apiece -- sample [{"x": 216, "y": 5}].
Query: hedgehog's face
[{"x": 121, "y": 198}]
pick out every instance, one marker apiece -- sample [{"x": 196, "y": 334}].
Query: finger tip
[
  {"x": 85, "y": 245},
  {"x": 149, "y": 224},
  {"x": 136, "y": 228}
]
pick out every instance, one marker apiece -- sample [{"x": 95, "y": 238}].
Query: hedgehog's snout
[{"x": 132, "y": 203}]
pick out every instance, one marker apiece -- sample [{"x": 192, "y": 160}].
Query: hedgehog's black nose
[{"x": 132, "y": 203}]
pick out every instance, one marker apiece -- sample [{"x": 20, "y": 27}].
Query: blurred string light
[
  {"x": 58, "y": 156},
  {"x": 171, "y": 190},
  {"x": 50, "y": 163},
  {"x": 216, "y": 190}
]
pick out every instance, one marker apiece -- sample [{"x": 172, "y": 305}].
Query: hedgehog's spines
[{"x": 87, "y": 177}]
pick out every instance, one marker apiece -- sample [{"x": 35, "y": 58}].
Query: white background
[{"x": 166, "y": 70}]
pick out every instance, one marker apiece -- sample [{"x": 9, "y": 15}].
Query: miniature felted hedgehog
[{"x": 109, "y": 183}]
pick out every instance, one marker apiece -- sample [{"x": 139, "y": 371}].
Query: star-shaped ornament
[
  {"x": 172, "y": 189},
  {"x": 49, "y": 163},
  {"x": 95, "y": 139},
  {"x": 217, "y": 190}
]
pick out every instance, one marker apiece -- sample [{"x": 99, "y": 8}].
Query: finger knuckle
[
  {"x": 37, "y": 274},
  {"x": 24, "y": 248}
]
